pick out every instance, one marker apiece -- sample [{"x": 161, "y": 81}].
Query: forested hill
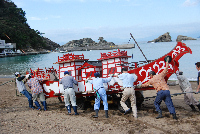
[{"x": 15, "y": 29}]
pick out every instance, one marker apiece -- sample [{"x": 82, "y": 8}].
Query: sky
[{"x": 64, "y": 20}]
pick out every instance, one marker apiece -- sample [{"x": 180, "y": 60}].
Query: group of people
[
  {"x": 36, "y": 88},
  {"x": 157, "y": 81}
]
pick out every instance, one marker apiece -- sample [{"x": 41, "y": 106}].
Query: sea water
[{"x": 10, "y": 65}]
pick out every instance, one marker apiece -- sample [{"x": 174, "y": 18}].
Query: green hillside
[{"x": 15, "y": 29}]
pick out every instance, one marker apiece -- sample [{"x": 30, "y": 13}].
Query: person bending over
[
  {"x": 163, "y": 93},
  {"x": 186, "y": 87},
  {"x": 22, "y": 88},
  {"x": 98, "y": 86}
]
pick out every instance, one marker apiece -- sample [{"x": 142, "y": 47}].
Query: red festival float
[{"x": 109, "y": 63}]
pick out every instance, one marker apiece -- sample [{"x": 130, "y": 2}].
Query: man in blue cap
[
  {"x": 22, "y": 88},
  {"x": 98, "y": 86},
  {"x": 69, "y": 94}
]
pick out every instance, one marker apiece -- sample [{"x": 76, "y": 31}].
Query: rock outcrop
[
  {"x": 181, "y": 37},
  {"x": 163, "y": 38},
  {"x": 50, "y": 45},
  {"x": 88, "y": 42}
]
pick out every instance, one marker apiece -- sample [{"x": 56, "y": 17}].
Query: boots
[
  {"x": 96, "y": 111},
  {"x": 159, "y": 115},
  {"x": 193, "y": 108},
  {"x": 38, "y": 105},
  {"x": 69, "y": 109},
  {"x": 127, "y": 111},
  {"x": 45, "y": 105},
  {"x": 75, "y": 110},
  {"x": 31, "y": 104},
  {"x": 174, "y": 116},
  {"x": 106, "y": 113},
  {"x": 198, "y": 106}
]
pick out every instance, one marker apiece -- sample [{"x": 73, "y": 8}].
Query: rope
[
  {"x": 7, "y": 82},
  {"x": 174, "y": 94}
]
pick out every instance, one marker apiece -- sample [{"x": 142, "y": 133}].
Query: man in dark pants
[
  {"x": 22, "y": 88},
  {"x": 163, "y": 93},
  {"x": 198, "y": 77}
]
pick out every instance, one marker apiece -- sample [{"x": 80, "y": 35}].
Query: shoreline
[
  {"x": 22, "y": 54},
  {"x": 107, "y": 47},
  {"x": 71, "y": 49}
]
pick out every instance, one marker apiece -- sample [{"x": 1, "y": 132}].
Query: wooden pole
[{"x": 139, "y": 47}]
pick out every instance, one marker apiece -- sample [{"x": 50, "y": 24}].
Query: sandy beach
[{"x": 17, "y": 117}]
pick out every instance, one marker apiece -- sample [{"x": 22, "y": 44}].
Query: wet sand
[{"x": 16, "y": 117}]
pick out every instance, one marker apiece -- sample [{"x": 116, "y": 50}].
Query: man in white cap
[
  {"x": 22, "y": 88},
  {"x": 69, "y": 94},
  {"x": 186, "y": 87}
]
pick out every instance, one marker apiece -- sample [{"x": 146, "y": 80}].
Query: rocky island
[
  {"x": 163, "y": 38},
  {"x": 181, "y": 37},
  {"x": 87, "y": 44}
]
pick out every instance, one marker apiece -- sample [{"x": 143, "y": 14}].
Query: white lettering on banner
[
  {"x": 147, "y": 74},
  {"x": 160, "y": 66},
  {"x": 177, "y": 51}
]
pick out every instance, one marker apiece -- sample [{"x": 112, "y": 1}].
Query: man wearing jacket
[
  {"x": 186, "y": 87},
  {"x": 22, "y": 88}
]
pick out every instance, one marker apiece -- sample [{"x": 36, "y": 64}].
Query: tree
[{"x": 14, "y": 27}]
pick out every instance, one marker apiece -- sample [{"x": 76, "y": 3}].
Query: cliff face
[
  {"x": 181, "y": 37},
  {"x": 163, "y": 38}
]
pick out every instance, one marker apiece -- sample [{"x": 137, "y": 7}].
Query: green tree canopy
[{"x": 14, "y": 27}]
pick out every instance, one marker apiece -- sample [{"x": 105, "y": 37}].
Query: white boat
[
  {"x": 63, "y": 51},
  {"x": 8, "y": 51}
]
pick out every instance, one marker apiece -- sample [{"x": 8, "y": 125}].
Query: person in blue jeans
[
  {"x": 22, "y": 88},
  {"x": 98, "y": 86},
  {"x": 163, "y": 93}
]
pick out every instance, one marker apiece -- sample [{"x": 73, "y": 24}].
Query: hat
[
  {"x": 28, "y": 76},
  {"x": 96, "y": 74},
  {"x": 16, "y": 74},
  {"x": 66, "y": 72},
  {"x": 197, "y": 63},
  {"x": 124, "y": 69},
  {"x": 179, "y": 72}
]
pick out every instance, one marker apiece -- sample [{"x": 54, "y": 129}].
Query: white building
[{"x": 7, "y": 46}]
